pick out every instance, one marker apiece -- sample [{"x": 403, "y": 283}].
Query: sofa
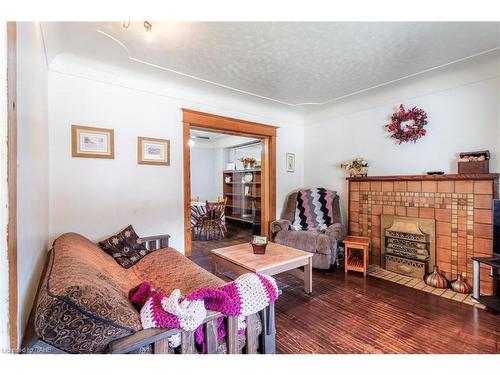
[
  {"x": 322, "y": 244},
  {"x": 82, "y": 303}
]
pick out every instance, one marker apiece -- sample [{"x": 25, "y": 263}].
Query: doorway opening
[
  {"x": 226, "y": 178},
  {"x": 229, "y": 164}
]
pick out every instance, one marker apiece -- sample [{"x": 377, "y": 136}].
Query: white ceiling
[
  {"x": 293, "y": 63},
  {"x": 218, "y": 140},
  {"x": 205, "y": 134}
]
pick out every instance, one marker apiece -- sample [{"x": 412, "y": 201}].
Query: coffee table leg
[
  {"x": 213, "y": 265},
  {"x": 308, "y": 277}
]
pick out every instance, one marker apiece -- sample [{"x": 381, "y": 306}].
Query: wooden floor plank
[{"x": 353, "y": 314}]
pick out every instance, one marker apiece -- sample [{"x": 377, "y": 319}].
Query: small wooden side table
[{"x": 356, "y": 253}]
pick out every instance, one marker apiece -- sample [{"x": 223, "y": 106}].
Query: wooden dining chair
[
  {"x": 214, "y": 222},
  {"x": 198, "y": 218}
]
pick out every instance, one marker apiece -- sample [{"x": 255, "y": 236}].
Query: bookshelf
[{"x": 242, "y": 188}]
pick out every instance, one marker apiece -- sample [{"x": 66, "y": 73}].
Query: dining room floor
[{"x": 236, "y": 234}]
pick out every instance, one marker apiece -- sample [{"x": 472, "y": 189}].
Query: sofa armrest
[
  {"x": 156, "y": 242},
  {"x": 139, "y": 339},
  {"x": 336, "y": 232},
  {"x": 279, "y": 225},
  {"x": 156, "y": 336}
]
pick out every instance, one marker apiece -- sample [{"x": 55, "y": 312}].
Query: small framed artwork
[
  {"x": 290, "y": 162},
  {"x": 89, "y": 142},
  {"x": 153, "y": 151}
]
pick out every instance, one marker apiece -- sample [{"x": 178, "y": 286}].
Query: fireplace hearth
[{"x": 407, "y": 245}]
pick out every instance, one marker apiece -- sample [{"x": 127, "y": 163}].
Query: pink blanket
[{"x": 247, "y": 295}]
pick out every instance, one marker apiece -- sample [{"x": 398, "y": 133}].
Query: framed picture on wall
[
  {"x": 89, "y": 142},
  {"x": 153, "y": 151},
  {"x": 290, "y": 162}
]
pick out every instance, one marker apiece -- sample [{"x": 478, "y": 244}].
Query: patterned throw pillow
[{"x": 125, "y": 247}]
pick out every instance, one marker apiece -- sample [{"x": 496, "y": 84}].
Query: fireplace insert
[{"x": 407, "y": 245}]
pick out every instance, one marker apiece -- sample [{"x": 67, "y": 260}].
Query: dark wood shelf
[
  {"x": 243, "y": 170},
  {"x": 243, "y": 195},
  {"x": 246, "y": 219},
  {"x": 493, "y": 302},
  {"x": 490, "y": 261},
  {"x": 242, "y": 183},
  {"x": 241, "y": 208}
]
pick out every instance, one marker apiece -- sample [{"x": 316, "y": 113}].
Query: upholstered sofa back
[
  {"x": 83, "y": 300},
  {"x": 288, "y": 212}
]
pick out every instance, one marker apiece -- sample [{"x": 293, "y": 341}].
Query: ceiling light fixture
[{"x": 148, "y": 32}]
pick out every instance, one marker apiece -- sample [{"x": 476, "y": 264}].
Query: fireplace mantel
[
  {"x": 424, "y": 177},
  {"x": 460, "y": 204}
]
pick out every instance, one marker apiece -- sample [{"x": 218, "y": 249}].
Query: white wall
[
  {"x": 462, "y": 103},
  {"x": 4, "y": 265},
  {"x": 33, "y": 165},
  {"x": 97, "y": 197},
  {"x": 203, "y": 173},
  {"x": 219, "y": 167},
  {"x": 255, "y": 151}
]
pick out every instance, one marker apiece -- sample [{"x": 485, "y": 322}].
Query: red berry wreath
[{"x": 412, "y": 131}]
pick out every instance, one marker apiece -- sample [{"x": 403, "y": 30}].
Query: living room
[{"x": 364, "y": 174}]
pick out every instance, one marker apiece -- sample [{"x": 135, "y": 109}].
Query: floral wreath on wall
[{"x": 411, "y": 131}]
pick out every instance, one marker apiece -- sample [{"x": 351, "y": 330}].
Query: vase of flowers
[
  {"x": 248, "y": 162},
  {"x": 356, "y": 168}
]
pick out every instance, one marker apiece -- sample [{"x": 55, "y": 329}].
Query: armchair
[{"x": 322, "y": 244}]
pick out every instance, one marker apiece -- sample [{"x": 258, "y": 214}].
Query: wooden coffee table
[{"x": 240, "y": 259}]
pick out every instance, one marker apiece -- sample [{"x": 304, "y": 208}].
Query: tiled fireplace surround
[{"x": 460, "y": 205}]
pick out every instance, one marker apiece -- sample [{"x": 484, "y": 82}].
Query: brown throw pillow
[{"x": 125, "y": 247}]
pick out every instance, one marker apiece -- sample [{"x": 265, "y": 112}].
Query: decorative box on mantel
[{"x": 459, "y": 204}]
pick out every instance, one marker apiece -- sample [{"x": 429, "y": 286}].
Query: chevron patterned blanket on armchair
[{"x": 314, "y": 209}]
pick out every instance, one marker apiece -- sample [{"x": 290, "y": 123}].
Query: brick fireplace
[{"x": 459, "y": 204}]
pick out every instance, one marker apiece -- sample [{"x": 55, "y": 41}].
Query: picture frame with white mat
[
  {"x": 92, "y": 142},
  {"x": 153, "y": 151}
]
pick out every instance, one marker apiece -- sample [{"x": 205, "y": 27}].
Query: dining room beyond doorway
[{"x": 225, "y": 191}]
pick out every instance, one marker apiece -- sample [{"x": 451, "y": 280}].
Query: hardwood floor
[
  {"x": 351, "y": 314},
  {"x": 236, "y": 234}
]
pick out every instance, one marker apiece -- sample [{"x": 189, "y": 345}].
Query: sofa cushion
[
  {"x": 167, "y": 269},
  {"x": 125, "y": 247}
]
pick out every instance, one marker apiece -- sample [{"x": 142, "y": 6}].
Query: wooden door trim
[
  {"x": 12, "y": 182},
  {"x": 202, "y": 120},
  {"x": 208, "y": 121}
]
